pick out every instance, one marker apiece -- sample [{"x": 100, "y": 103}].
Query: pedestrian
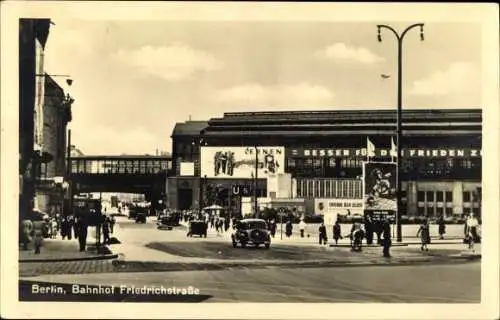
[
  {"x": 369, "y": 229},
  {"x": 112, "y": 222},
  {"x": 38, "y": 227},
  {"x": 425, "y": 237},
  {"x": 441, "y": 227},
  {"x": 26, "y": 233},
  {"x": 288, "y": 228},
  {"x": 82, "y": 232},
  {"x": 357, "y": 234},
  {"x": 386, "y": 242},
  {"x": 70, "y": 225},
  {"x": 272, "y": 228},
  {"x": 226, "y": 224},
  {"x": 378, "y": 226},
  {"x": 302, "y": 227},
  {"x": 472, "y": 235},
  {"x": 323, "y": 239},
  {"x": 105, "y": 230},
  {"x": 54, "y": 228},
  {"x": 337, "y": 232}
]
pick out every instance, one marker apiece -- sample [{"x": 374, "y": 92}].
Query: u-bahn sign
[{"x": 383, "y": 152}]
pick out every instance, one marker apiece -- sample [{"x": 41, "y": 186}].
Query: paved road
[{"x": 407, "y": 284}]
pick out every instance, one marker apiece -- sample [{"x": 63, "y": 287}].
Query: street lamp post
[
  {"x": 400, "y": 106},
  {"x": 256, "y": 177}
]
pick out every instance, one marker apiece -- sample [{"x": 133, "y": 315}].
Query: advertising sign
[
  {"x": 331, "y": 208},
  {"x": 384, "y": 152},
  {"x": 239, "y": 162},
  {"x": 187, "y": 169},
  {"x": 379, "y": 189}
]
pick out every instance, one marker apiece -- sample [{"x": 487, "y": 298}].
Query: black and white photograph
[{"x": 255, "y": 152}]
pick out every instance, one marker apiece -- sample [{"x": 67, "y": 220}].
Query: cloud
[
  {"x": 176, "y": 62},
  {"x": 342, "y": 53},
  {"x": 108, "y": 141},
  {"x": 281, "y": 96},
  {"x": 459, "y": 78}
]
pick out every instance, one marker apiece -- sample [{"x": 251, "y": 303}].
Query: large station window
[
  {"x": 466, "y": 196},
  {"x": 449, "y": 196},
  {"x": 430, "y": 196},
  {"x": 420, "y": 196},
  {"x": 439, "y": 196}
]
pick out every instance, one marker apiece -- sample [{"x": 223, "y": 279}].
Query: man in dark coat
[
  {"x": 369, "y": 229},
  {"x": 288, "y": 228},
  {"x": 386, "y": 242},
  {"x": 83, "y": 225},
  {"x": 442, "y": 227},
  {"x": 323, "y": 239}
]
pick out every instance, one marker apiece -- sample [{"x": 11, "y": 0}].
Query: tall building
[
  {"x": 56, "y": 116},
  {"x": 33, "y": 34},
  {"x": 323, "y": 152}
]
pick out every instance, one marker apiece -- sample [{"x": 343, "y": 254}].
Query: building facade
[
  {"x": 33, "y": 35},
  {"x": 324, "y": 153},
  {"x": 56, "y": 116}
]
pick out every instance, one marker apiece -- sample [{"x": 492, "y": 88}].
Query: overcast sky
[{"x": 134, "y": 80}]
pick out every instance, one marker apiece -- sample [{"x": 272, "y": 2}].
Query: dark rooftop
[{"x": 189, "y": 128}]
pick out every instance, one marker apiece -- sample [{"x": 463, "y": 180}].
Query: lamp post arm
[
  {"x": 383, "y": 26},
  {"x": 421, "y": 25}
]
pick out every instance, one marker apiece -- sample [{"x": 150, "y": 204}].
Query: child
[{"x": 424, "y": 235}]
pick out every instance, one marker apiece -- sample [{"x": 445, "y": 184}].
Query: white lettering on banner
[{"x": 358, "y": 152}]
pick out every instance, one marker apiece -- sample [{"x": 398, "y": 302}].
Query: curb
[
  {"x": 181, "y": 266},
  {"x": 102, "y": 257},
  {"x": 370, "y": 245}
]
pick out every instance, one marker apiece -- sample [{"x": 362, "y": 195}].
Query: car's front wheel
[
  {"x": 243, "y": 244},
  {"x": 234, "y": 244},
  {"x": 268, "y": 245}
]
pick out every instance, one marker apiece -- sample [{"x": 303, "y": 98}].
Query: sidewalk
[{"x": 54, "y": 250}]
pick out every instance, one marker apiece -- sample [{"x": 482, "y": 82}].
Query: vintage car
[
  {"x": 251, "y": 231},
  {"x": 140, "y": 216},
  {"x": 166, "y": 221},
  {"x": 197, "y": 227}
]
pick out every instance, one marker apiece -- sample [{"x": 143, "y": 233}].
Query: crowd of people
[{"x": 67, "y": 226}]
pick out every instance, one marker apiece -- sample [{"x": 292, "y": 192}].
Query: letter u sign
[{"x": 236, "y": 190}]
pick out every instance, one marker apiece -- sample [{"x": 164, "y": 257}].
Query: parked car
[
  {"x": 251, "y": 231},
  {"x": 197, "y": 227}
]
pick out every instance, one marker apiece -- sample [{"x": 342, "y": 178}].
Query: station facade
[{"x": 323, "y": 153}]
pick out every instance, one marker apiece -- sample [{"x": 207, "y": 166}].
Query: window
[
  {"x": 421, "y": 211},
  {"x": 449, "y": 196},
  {"x": 439, "y": 196},
  {"x": 421, "y": 196},
  {"x": 466, "y": 196},
  {"x": 430, "y": 196},
  {"x": 291, "y": 163}
]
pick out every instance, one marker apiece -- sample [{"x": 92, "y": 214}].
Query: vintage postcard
[{"x": 257, "y": 159}]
